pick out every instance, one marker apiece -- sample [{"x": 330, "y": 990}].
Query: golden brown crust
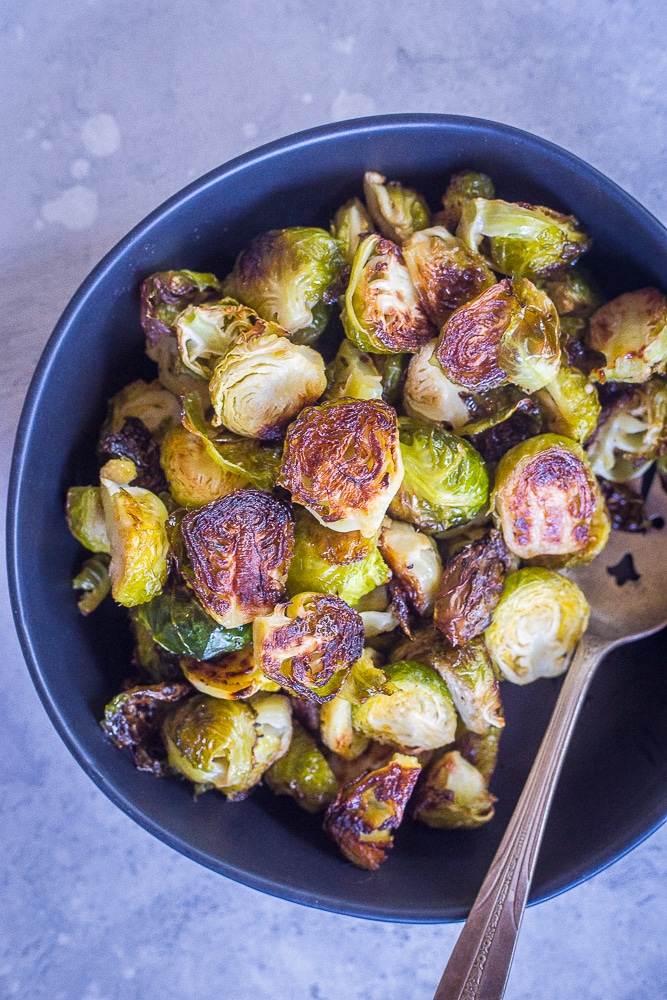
[
  {"x": 470, "y": 339},
  {"x": 239, "y": 547},
  {"x": 406, "y": 328}
]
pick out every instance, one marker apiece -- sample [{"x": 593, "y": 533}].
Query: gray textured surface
[{"x": 107, "y": 109}]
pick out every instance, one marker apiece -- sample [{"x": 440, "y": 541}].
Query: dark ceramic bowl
[{"x": 613, "y": 790}]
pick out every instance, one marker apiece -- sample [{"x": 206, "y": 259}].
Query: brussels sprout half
[
  {"x": 414, "y": 561},
  {"x": 631, "y": 333},
  {"x": 429, "y": 394},
  {"x": 382, "y": 312},
  {"x": 229, "y": 676},
  {"x": 521, "y": 240},
  {"x": 135, "y": 520},
  {"x": 303, "y": 773},
  {"x": 228, "y": 744},
  {"x": 463, "y": 186},
  {"x": 164, "y": 296},
  {"x": 133, "y": 719},
  {"x": 570, "y": 405},
  {"x": 469, "y": 675},
  {"x": 286, "y": 275},
  {"x": 194, "y": 477},
  {"x": 343, "y": 463},
  {"x": 336, "y": 728},
  {"x": 156, "y": 407},
  {"x": 353, "y": 374},
  {"x": 632, "y": 432},
  {"x": 548, "y": 504},
  {"x": 206, "y": 332},
  {"x": 366, "y": 811},
  {"x": 573, "y": 292},
  {"x": 538, "y": 621},
  {"x": 350, "y": 223},
  {"x": 309, "y": 644},
  {"x": 445, "y": 482},
  {"x": 84, "y": 511},
  {"x": 445, "y": 272},
  {"x": 397, "y": 211},
  {"x": 453, "y": 795}
]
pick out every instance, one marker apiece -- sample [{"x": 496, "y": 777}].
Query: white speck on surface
[
  {"x": 100, "y": 135},
  {"x": 30, "y": 133},
  {"x": 347, "y": 105},
  {"x": 46, "y": 145},
  {"x": 250, "y": 130},
  {"x": 63, "y": 939},
  {"x": 344, "y": 45},
  {"x": 38, "y": 224},
  {"x": 79, "y": 169},
  {"x": 307, "y": 99},
  {"x": 76, "y": 208}
]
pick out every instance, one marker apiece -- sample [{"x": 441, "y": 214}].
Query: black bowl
[{"x": 613, "y": 790}]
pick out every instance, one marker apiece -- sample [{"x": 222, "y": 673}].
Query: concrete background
[{"x": 108, "y": 107}]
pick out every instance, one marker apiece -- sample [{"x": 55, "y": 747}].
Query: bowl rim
[{"x": 87, "y": 288}]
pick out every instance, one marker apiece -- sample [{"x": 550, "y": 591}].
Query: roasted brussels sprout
[
  {"x": 632, "y": 432},
  {"x": 206, "y": 332},
  {"x": 85, "y": 517},
  {"x": 286, "y": 276},
  {"x": 228, "y": 744},
  {"x": 470, "y": 677},
  {"x": 156, "y": 407},
  {"x": 418, "y": 712},
  {"x": 349, "y": 224},
  {"x": 237, "y": 553},
  {"x": 230, "y": 676},
  {"x": 625, "y": 506},
  {"x": 570, "y": 405},
  {"x": 333, "y": 562},
  {"x": 462, "y": 187},
  {"x": 353, "y": 374},
  {"x": 366, "y": 811},
  {"x": 573, "y": 292},
  {"x": 135, "y": 520},
  {"x": 177, "y": 622},
  {"x": 453, "y": 795},
  {"x": 548, "y": 503},
  {"x": 382, "y": 312},
  {"x": 134, "y": 441},
  {"x": 166, "y": 294},
  {"x": 510, "y": 332},
  {"x": 480, "y": 750},
  {"x": 631, "y": 333},
  {"x": 336, "y": 729},
  {"x": 414, "y": 560},
  {"x": 521, "y": 240},
  {"x": 133, "y": 719},
  {"x": 538, "y": 621},
  {"x": 194, "y": 477},
  {"x": 93, "y": 581},
  {"x": 494, "y": 442},
  {"x": 397, "y": 211},
  {"x": 429, "y": 394},
  {"x": 445, "y": 482},
  {"x": 445, "y": 272},
  {"x": 303, "y": 773},
  {"x": 342, "y": 461},
  {"x": 261, "y": 384},
  {"x": 309, "y": 644},
  {"x": 470, "y": 586}
]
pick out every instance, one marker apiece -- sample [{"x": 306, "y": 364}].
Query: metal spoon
[{"x": 479, "y": 965}]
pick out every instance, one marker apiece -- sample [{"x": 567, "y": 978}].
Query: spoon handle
[{"x": 480, "y": 962}]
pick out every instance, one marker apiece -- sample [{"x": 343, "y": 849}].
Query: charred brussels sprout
[
  {"x": 93, "y": 581},
  {"x": 470, "y": 586},
  {"x": 135, "y": 520},
  {"x": 286, "y": 276},
  {"x": 571, "y": 405},
  {"x": 632, "y": 432},
  {"x": 631, "y": 333},
  {"x": 625, "y": 506},
  {"x": 352, "y": 373},
  {"x": 414, "y": 561},
  {"x": 238, "y": 550},
  {"x": 521, "y": 240},
  {"x": 510, "y": 332},
  {"x": 303, "y": 773},
  {"x": 333, "y": 562},
  {"x": 429, "y": 394},
  {"x": 470, "y": 677},
  {"x": 445, "y": 272},
  {"x": 206, "y": 332},
  {"x": 397, "y": 211},
  {"x": 463, "y": 187},
  {"x": 133, "y": 719},
  {"x": 418, "y": 712},
  {"x": 85, "y": 517},
  {"x": 228, "y": 744},
  {"x": 343, "y": 463},
  {"x": 230, "y": 676},
  {"x": 166, "y": 294},
  {"x": 308, "y": 645},
  {"x": 135, "y": 441},
  {"x": 453, "y": 795},
  {"x": 261, "y": 384},
  {"x": 540, "y": 618},
  {"x": 177, "y": 622},
  {"x": 382, "y": 312},
  {"x": 156, "y": 407},
  {"x": 366, "y": 811},
  {"x": 350, "y": 223},
  {"x": 548, "y": 503},
  {"x": 445, "y": 482}
]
